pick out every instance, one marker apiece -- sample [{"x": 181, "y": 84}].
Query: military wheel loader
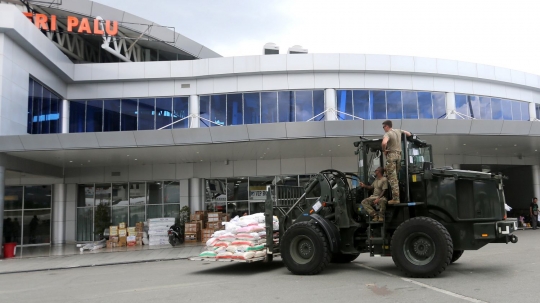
[{"x": 443, "y": 212}]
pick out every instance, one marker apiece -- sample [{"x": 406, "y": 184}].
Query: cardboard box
[
  {"x": 121, "y": 225},
  {"x": 122, "y": 241},
  {"x": 138, "y": 243},
  {"x": 109, "y": 244},
  {"x": 114, "y": 239},
  {"x": 140, "y": 234},
  {"x": 225, "y": 217},
  {"x": 122, "y": 232},
  {"x": 214, "y": 217},
  {"x": 192, "y": 237},
  {"x": 134, "y": 234},
  {"x": 214, "y": 225},
  {"x": 139, "y": 226},
  {"x": 192, "y": 227},
  {"x": 131, "y": 230},
  {"x": 113, "y": 230},
  {"x": 198, "y": 217}
]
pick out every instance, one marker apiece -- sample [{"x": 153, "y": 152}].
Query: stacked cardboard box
[
  {"x": 207, "y": 234},
  {"x": 192, "y": 231},
  {"x": 158, "y": 230}
]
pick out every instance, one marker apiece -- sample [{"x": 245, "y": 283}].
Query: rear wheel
[
  {"x": 304, "y": 249},
  {"x": 344, "y": 258},
  {"x": 422, "y": 247},
  {"x": 456, "y": 255}
]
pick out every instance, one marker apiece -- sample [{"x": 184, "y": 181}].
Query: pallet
[{"x": 259, "y": 259}]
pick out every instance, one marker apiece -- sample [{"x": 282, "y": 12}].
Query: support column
[
  {"x": 65, "y": 116},
  {"x": 536, "y": 180},
  {"x": 2, "y": 183},
  {"x": 194, "y": 110},
  {"x": 532, "y": 111},
  {"x": 331, "y": 103},
  {"x": 196, "y": 194},
  {"x": 59, "y": 214},
  {"x": 450, "y": 105}
]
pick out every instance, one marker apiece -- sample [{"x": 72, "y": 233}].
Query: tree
[
  {"x": 102, "y": 219},
  {"x": 183, "y": 218}
]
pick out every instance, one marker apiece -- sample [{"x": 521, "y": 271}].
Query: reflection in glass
[
  {"x": 439, "y": 105},
  {"x": 180, "y": 110},
  {"x": 136, "y": 214},
  {"x": 361, "y": 104},
  {"x": 54, "y": 117},
  {"x": 525, "y": 116},
  {"x": 37, "y": 226},
  {"x": 304, "y": 105},
  {"x": 163, "y": 112},
  {"x": 410, "y": 105},
  {"x": 36, "y": 108},
  {"x": 154, "y": 193},
  {"x": 76, "y": 116},
  {"x": 425, "y": 105},
  {"x": 216, "y": 190},
  {"x": 111, "y": 115},
  {"x": 12, "y": 226},
  {"x": 378, "y": 99},
  {"x": 204, "y": 110},
  {"x": 147, "y": 109},
  {"x": 38, "y": 196},
  {"x": 120, "y": 194},
  {"x": 269, "y": 107},
  {"x": 496, "y": 109},
  {"x": 137, "y": 193},
  {"x": 237, "y": 189},
  {"x": 103, "y": 194},
  {"x": 318, "y": 104},
  {"x": 474, "y": 106},
  {"x": 256, "y": 208},
  {"x": 85, "y": 223},
  {"x": 252, "y": 108},
  {"x": 234, "y": 109},
  {"x": 94, "y": 116},
  {"x": 171, "y": 192},
  {"x": 344, "y": 104},
  {"x": 153, "y": 211},
  {"x": 45, "y": 112},
  {"x": 286, "y": 106},
  {"x": 85, "y": 195},
  {"x": 237, "y": 208},
  {"x": 218, "y": 110},
  {"x": 393, "y": 104},
  {"x": 129, "y": 114},
  {"x": 30, "y": 106},
  {"x": 485, "y": 108},
  {"x": 516, "y": 110},
  {"x": 171, "y": 211},
  {"x": 119, "y": 215},
  {"x": 507, "y": 109},
  {"x": 13, "y": 197},
  {"x": 462, "y": 106}
]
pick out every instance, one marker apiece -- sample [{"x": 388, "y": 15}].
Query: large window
[
  {"x": 127, "y": 114},
  {"x": 27, "y": 215},
  {"x": 126, "y": 202},
  {"x": 44, "y": 110},
  {"x": 261, "y": 107},
  {"x": 488, "y": 108},
  {"x": 390, "y": 104}
]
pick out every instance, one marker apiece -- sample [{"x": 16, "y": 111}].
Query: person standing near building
[
  {"x": 391, "y": 146},
  {"x": 534, "y": 213},
  {"x": 379, "y": 187}
]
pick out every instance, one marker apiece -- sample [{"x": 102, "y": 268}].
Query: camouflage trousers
[
  {"x": 369, "y": 203},
  {"x": 393, "y": 161}
]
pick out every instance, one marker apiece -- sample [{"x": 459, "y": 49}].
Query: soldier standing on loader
[
  {"x": 379, "y": 186},
  {"x": 391, "y": 145}
]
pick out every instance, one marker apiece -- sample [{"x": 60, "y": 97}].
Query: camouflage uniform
[
  {"x": 379, "y": 185},
  {"x": 393, "y": 161}
]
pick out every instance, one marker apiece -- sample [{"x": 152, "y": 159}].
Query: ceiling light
[
  {"x": 464, "y": 144},
  {"x": 496, "y": 148},
  {"x": 515, "y": 144},
  {"x": 128, "y": 155},
  {"x": 70, "y": 161},
  {"x": 135, "y": 159},
  {"x": 447, "y": 148},
  {"x": 329, "y": 150},
  {"x": 201, "y": 160},
  {"x": 535, "y": 150},
  {"x": 261, "y": 157},
  {"x": 88, "y": 160},
  {"x": 197, "y": 152}
]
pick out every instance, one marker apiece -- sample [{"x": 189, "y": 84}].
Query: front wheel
[
  {"x": 173, "y": 240},
  {"x": 422, "y": 247},
  {"x": 456, "y": 255},
  {"x": 304, "y": 249}
]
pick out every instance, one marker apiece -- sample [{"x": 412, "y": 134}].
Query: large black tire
[
  {"x": 422, "y": 247},
  {"x": 304, "y": 249},
  {"x": 456, "y": 255},
  {"x": 342, "y": 258}
]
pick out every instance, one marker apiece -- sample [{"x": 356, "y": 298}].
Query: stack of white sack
[
  {"x": 158, "y": 230},
  {"x": 243, "y": 238}
]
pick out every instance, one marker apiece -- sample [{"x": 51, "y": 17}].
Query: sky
[{"x": 495, "y": 32}]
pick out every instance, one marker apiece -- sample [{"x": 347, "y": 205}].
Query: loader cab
[{"x": 416, "y": 158}]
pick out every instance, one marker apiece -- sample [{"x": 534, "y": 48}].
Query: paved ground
[{"x": 496, "y": 273}]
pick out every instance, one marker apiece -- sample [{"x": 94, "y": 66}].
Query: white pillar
[
  {"x": 65, "y": 116},
  {"x": 194, "y": 110},
  {"x": 450, "y": 105},
  {"x": 532, "y": 111},
  {"x": 536, "y": 180},
  {"x": 2, "y": 183},
  {"x": 196, "y": 194},
  {"x": 59, "y": 214},
  {"x": 330, "y": 103}
]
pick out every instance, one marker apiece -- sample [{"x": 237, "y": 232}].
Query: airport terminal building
[{"x": 101, "y": 107}]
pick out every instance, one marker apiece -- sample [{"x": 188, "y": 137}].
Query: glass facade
[
  {"x": 127, "y": 114},
  {"x": 390, "y": 104},
  {"x": 126, "y": 202},
  {"x": 261, "y": 107},
  {"x": 27, "y": 214},
  {"x": 489, "y": 108},
  {"x": 44, "y": 110}
]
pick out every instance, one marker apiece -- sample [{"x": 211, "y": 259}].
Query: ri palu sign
[{"x": 75, "y": 24}]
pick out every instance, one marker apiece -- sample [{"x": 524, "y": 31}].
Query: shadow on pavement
[{"x": 222, "y": 268}]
